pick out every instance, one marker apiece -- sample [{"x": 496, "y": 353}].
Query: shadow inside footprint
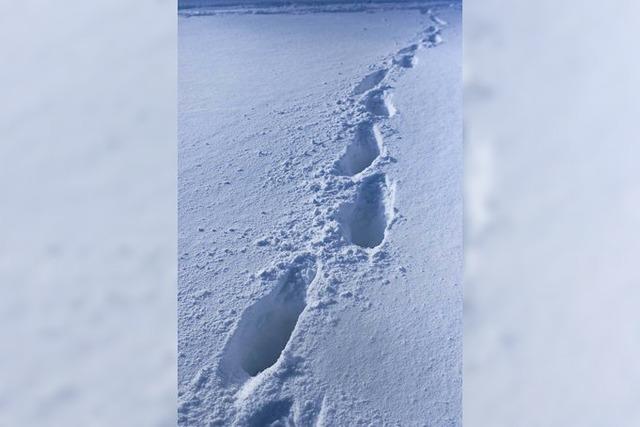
[
  {"x": 409, "y": 49},
  {"x": 405, "y": 61},
  {"x": 364, "y": 221},
  {"x": 370, "y": 81},
  {"x": 272, "y": 414},
  {"x": 363, "y": 149},
  {"x": 378, "y": 103},
  {"x": 265, "y": 328}
]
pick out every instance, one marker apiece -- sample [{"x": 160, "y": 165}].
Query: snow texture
[
  {"x": 88, "y": 217},
  {"x": 320, "y": 218},
  {"x": 186, "y": 4},
  {"x": 552, "y": 214},
  {"x": 270, "y": 7}
]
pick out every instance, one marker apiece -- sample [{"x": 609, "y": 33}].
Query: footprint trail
[{"x": 353, "y": 199}]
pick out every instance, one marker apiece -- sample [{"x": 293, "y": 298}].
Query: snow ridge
[{"x": 249, "y": 383}]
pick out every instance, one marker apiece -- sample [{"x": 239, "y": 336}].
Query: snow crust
[{"x": 320, "y": 218}]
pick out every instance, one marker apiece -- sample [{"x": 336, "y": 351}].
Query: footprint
[
  {"x": 406, "y": 61},
  {"x": 378, "y": 102},
  {"x": 272, "y": 414},
  {"x": 433, "y": 40},
  {"x": 370, "y": 81},
  {"x": 364, "y": 221},
  {"x": 265, "y": 328},
  {"x": 409, "y": 49},
  {"x": 433, "y": 37},
  {"x": 363, "y": 149}
]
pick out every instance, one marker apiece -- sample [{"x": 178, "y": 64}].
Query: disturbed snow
[{"x": 320, "y": 238}]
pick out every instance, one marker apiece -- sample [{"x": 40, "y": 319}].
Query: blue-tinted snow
[{"x": 320, "y": 218}]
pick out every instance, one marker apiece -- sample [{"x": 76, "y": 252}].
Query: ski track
[{"x": 354, "y": 199}]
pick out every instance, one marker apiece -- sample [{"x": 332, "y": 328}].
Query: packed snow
[{"x": 320, "y": 217}]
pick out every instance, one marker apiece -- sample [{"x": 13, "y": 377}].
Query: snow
[
  {"x": 322, "y": 5},
  {"x": 87, "y": 254},
  {"x": 270, "y": 7},
  {"x": 551, "y": 293},
  {"x": 320, "y": 218}
]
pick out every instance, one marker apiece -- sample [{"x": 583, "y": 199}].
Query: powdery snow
[
  {"x": 87, "y": 254},
  {"x": 551, "y": 309},
  {"x": 320, "y": 218}
]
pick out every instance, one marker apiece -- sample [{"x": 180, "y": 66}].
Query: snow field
[{"x": 263, "y": 375}]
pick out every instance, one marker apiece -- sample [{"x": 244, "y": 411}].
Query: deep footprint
[
  {"x": 364, "y": 221},
  {"x": 265, "y": 327},
  {"x": 378, "y": 102},
  {"x": 370, "y": 81},
  {"x": 406, "y": 61},
  {"x": 409, "y": 49},
  {"x": 272, "y": 414},
  {"x": 363, "y": 149}
]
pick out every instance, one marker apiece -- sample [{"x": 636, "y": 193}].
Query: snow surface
[
  {"x": 320, "y": 218},
  {"x": 248, "y": 6},
  {"x": 270, "y": 7},
  {"x": 553, "y": 204},
  {"x": 87, "y": 253}
]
